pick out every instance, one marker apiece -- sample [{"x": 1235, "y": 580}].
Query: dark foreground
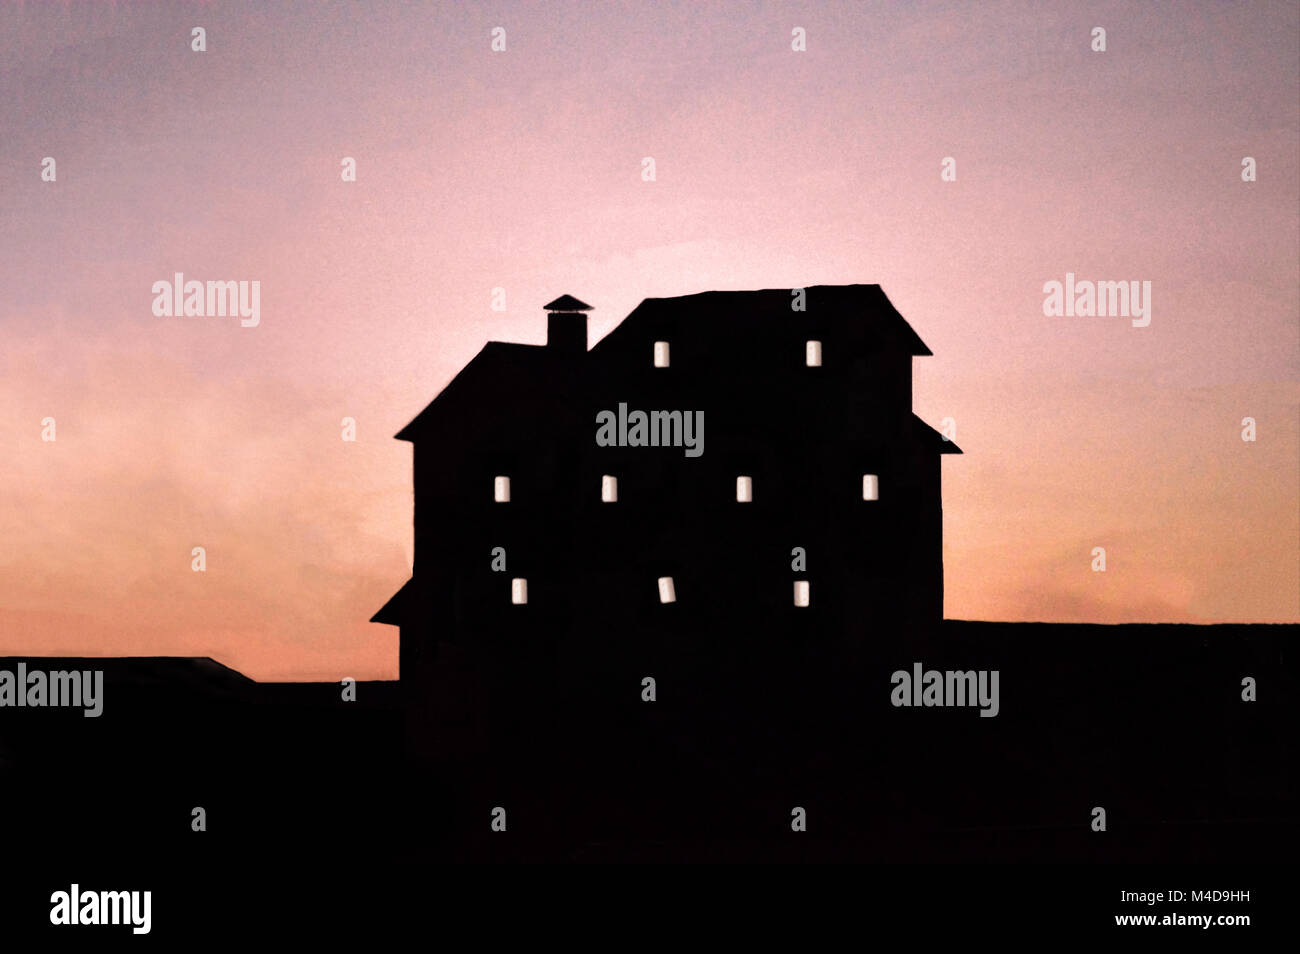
[{"x": 1145, "y": 722}]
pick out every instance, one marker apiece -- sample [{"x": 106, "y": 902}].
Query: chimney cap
[{"x": 567, "y": 303}]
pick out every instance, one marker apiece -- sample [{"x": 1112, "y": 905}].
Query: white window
[
  {"x": 518, "y": 590},
  {"x": 800, "y": 592},
  {"x": 661, "y": 354},
  {"x": 501, "y": 489},
  {"x": 813, "y": 354},
  {"x": 609, "y": 489},
  {"x": 744, "y": 490},
  {"x": 667, "y": 593},
  {"x": 870, "y": 487}
]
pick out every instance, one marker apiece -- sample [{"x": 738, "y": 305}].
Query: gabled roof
[
  {"x": 862, "y": 309},
  {"x": 496, "y": 360}
]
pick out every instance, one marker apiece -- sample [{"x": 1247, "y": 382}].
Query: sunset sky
[{"x": 522, "y": 169}]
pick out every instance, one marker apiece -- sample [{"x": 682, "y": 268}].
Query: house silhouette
[
  {"x": 549, "y": 671},
  {"x": 804, "y": 392}
]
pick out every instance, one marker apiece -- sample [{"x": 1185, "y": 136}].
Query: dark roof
[
  {"x": 567, "y": 303},
  {"x": 939, "y": 442},
  {"x": 394, "y": 611},
  {"x": 190, "y": 672},
  {"x": 497, "y": 360},
  {"x": 864, "y": 310}
]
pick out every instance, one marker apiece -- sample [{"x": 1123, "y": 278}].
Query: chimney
[{"x": 566, "y": 325}]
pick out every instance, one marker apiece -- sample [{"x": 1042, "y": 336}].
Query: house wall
[{"x": 804, "y": 435}]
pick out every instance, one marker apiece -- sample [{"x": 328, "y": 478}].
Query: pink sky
[{"x": 522, "y": 170}]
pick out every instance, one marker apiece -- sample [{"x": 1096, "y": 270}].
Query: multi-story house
[{"x": 722, "y": 474}]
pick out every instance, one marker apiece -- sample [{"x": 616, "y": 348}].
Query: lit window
[
  {"x": 800, "y": 592},
  {"x": 501, "y": 489},
  {"x": 744, "y": 490},
  {"x": 518, "y": 590},
  {"x": 813, "y": 354},
  {"x": 609, "y": 489},
  {"x": 667, "y": 593},
  {"x": 870, "y": 487},
  {"x": 661, "y": 354}
]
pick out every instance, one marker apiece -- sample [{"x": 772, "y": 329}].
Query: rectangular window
[
  {"x": 800, "y": 592},
  {"x": 501, "y": 489},
  {"x": 813, "y": 354},
  {"x": 667, "y": 592},
  {"x": 518, "y": 590},
  {"x": 870, "y": 487},
  {"x": 661, "y": 354},
  {"x": 744, "y": 490},
  {"x": 609, "y": 489}
]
